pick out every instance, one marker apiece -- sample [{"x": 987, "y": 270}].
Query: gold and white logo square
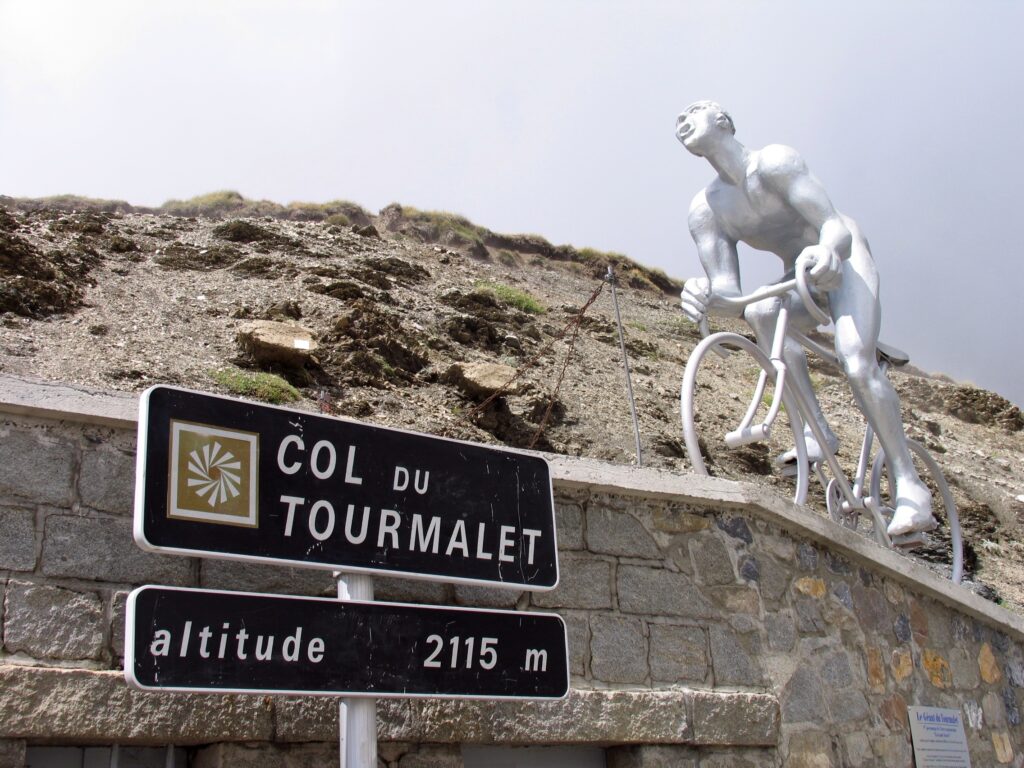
[{"x": 212, "y": 475}]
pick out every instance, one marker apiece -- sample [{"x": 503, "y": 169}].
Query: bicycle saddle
[{"x": 895, "y": 357}]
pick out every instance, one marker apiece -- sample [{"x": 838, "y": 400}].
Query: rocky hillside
[{"x": 426, "y": 321}]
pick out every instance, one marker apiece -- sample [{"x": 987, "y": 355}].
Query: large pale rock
[
  {"x": 80, "y": 706},
  {"x": 480, "y": 380},
  {"x": 736, "y": 719},
  {"x": 270, "y": 341},
  {"x": 585, "y": 717},
  {"x": 51, "y": 622}
]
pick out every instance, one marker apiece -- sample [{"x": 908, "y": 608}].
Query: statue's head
[{"x": 701, "y": 122}]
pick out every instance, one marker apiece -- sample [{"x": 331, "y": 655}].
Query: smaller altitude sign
[{"x": 211, "y": 641}]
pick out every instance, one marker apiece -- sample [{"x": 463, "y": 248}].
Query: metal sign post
[{"x": 357, "y": 718}]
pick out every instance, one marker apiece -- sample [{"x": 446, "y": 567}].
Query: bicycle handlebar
[{"x": 770, "y": 291}]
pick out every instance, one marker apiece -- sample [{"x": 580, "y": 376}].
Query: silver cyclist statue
[{"x": 770, "y": 200}]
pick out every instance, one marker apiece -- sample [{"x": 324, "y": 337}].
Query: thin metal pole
[
  {"x": 169, "y": 757},
  {"x": 357, "y": 718},
  {"x": 610, "y": 277},
  {"x": 115, "y": 755}
]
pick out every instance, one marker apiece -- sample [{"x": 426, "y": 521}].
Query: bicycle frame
[{"x": 854, "y": 499}]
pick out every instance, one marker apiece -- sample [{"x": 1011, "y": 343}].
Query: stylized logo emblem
[{"x": 213, "y": 474}]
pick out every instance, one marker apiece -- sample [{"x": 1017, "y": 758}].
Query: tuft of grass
[
  {"x": 339, "y": 220},
  {"x": 263, "y": 386},
  {"x": 444, "y": 221},
  {"x": 513, "y": 297},
  {"x": 212, "y": 203}
]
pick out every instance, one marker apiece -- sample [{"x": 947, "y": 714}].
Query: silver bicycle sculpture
[{"x": 848, "y": 502}]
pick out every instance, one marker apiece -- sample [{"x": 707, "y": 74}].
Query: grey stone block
[
  {"x": 577, "y": 627},
  {"x": 811, "y": 749},
  {"x": 118, "y": 604},
  {"x": 102, "y": 549},
  {"x": 264, "y": 755},
  {"x": 835, "y": 671},
  {"x": 781, "y": 631},
  {"x": 658, "y": 592},
  {"x": 847, "y": 705},
  {"x": 735, "y": 719},
  {"x": 585, "y": 583},
  {"x": 712, "y": 560},
  {"x": 678, "y": 653},
  {"x": 433, "y": 756},
  {"x": 262, "y": 577},
  {"x": 12, "y": 753},
  {"x": 486, "y": 597},
  {"x": 965, "y": 670},
  {"x": 775, "y": 578},
  {"x": 18, "y": 540},
  {"x": 612, "y": 532},
  {"x": 734, "y": 657},
  {"x": 53, "y": 623},
  {"x": 107, "y": 480},
  {"x": 740, "y": 758},
  {"x": 651, "y": 757},
  {"x": 410, "y": 591},
  {"x": 736, "y": 527},
  {"x": 801, "y": 699},
  {"x": 618, "y": 649},
  {"x": 569, "y": 525},
  {"x": 37, "y": 468}
]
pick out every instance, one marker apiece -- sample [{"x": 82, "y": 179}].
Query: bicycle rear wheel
[
  {"x": 712, "y": 407},
  {"x": 944, "y": 545}
]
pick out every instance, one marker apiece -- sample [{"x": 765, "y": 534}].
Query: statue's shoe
[
  {"x": 913, "y": 510},
  {"x": 814, "y": 451}
]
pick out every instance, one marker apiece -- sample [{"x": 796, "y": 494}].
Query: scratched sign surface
[
  {"x": 221, "y": 477},
  {"x": 206, "y": 640}
]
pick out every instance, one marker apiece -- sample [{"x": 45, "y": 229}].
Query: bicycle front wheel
[
  {"x": 719, "y": 396},
  {"x": 944, "y": 545}
]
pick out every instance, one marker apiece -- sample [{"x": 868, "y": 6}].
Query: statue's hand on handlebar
[
  {"x": 826, "y": 270},
  {"x": 695, "y": 297}
]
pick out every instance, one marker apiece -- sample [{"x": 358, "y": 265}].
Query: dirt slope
[{"x": 122, "y": 299}]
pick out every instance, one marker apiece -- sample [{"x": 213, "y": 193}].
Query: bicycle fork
[{"x": 746, "y": 433}]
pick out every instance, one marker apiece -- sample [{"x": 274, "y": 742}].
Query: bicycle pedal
[
  {"x": 789, "y": 469},
  {"x": 909, "y": 541}
]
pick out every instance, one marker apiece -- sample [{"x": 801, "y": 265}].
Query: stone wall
[{"x": 708, "y": 623}]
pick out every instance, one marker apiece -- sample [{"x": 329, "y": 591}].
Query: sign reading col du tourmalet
[{"x": 223, "y": 477}]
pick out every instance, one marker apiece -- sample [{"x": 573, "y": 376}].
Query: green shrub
[
  {"x": 339, "y": 220},
  {"x": 261, "y": 386},
  {"x": 513, "y": 297}
]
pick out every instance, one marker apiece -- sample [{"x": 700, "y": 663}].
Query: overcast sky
[{"x": 557, "y": 118}]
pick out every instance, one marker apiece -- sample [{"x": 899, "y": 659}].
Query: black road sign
[
  {"x": 211, "y": 641},
  {"x": 223, "y": 477}
]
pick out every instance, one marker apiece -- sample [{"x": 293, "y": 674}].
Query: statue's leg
[
  {"x": 762, "y": 316},
  {"x": 857, "y": 316}
]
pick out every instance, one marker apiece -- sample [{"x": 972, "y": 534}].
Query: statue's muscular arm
[
  {"x": 718, "y": 256},
  {"x": 785, "y": 172}
]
